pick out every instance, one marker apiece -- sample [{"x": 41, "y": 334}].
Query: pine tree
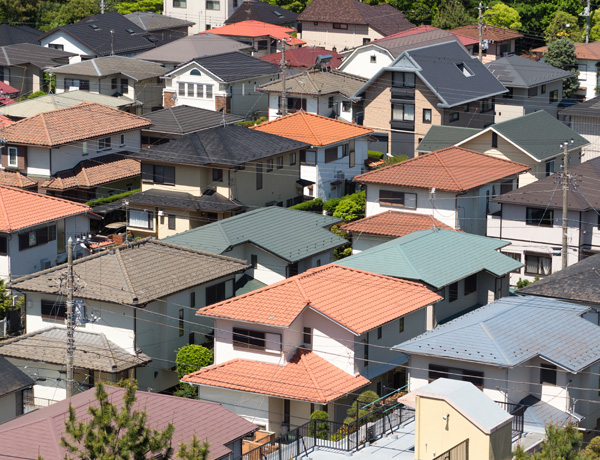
[{"x": 561, "y": 54}]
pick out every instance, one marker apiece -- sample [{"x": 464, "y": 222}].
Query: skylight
[
  {"x": 464, "y": 69},
  {"x": 94, "y": 26}
]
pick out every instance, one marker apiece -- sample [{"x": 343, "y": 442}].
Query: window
[
  {"x": 195, "y": 72},
  {"x": 340, "y": 26},
  {"x": 494, "y": 140},
  {"x": 532, "y": 92},
  {"x": 436, "y": 372},
  {"x": 454, "y": 116},
  {"x": 331, "y": 154},
  {"x": 366, "y": 350},
  {"x": 403, "y": 112},
  {"x": 209, "y": 91},
  {"x": 56, "y": 46},
  {"x": 453, "y": 292},
  {"x": 122, "y": 138},
  {"x": 279, "y": 162},
  {"x": 179, "y": 3},
  {"x": 403, "y": 80},
  {"x": 365, "y": 41},
  {"x": 270, "y": 165},
  {"x": 352, "y": 159},
  {"x": 379, "y": 332},
  {"x": 216, "y": 293},
  {"x": 83, "y": 85},
  {"x": 286, "y": 412},
  {"x": 346, "y": 106},
  {"x": 539, "y": 216},
  {"x": 582, "y": 71},
  {"x": 247, "y": 338},
  {"x": 104, "y": 144},
  {"x": 373, "y": 59},
  {"x": 13, "y": 160},
  {"x": 123, "y": 88},
  {"x": 548, "y": 374},
  {"x": 141, "y": 219},
  {"x": 259, "y": 176},
  {"x": 171, "y": 221},
  {"x": 486, "y": 105},
  {"x": 538, "y": 264},
  {"x": 53, "y": 310},
  {"x": 37, "y": 237},
  {"x": 330, "y": 102},
  {"x": 3, "y": 245},
  {"x": 181, "y": 90},
  {"x": 192, "y": 299},
  {"x": 292, "y": 159},
  {"x": 549, "y": 167},
  {"x": 506, "y": 187},
  {"x": 217, "y": 175},
  {"x": 254, "y": 260},
  {"x": 401, "y": 325},
  {"x": 307, "y": 336},
  {"x": 213, "y": 5},
  {"x": 158, "y": 174},
  {"x": 427, "y": 116},
  {"x": 554, "y": 96},
  {"x": 543, "y": 88},
  {"x": 516, "y": 256},
  {"x": 308, "y": 157},
  {"x": 292, "y": 270},
  {"x": 400, "y": 199},
  {"x": 180, "y": 322},
  {"x": 470, "y": 284}
]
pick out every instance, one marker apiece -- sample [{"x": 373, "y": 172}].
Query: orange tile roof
[
  {"x": 257, "y": 29},
  {"x": 367, "y": 301},
  {"x": 83, "y": 121},
  {"x": 16, "y": 179},
  {"x": 393, "y": 223},
  {"x": 582, "y": 50},
  {"x": 453, "y": 169},
  {"x": 21, "y": 209},
  {"x": 5, "y": 121},
  {"x": 306, "y": 377},
  {"x": 489, "y": 32},
  {"x": 312, "y": 129},
  {"x": 94, "y": 172}
]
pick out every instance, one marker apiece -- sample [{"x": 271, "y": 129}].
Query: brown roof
[
  {"x": 394, "y": 223},
  {"x": 5, "y": 121},
  {"x": 384, "y": 18},
  {"x": 94, "y": 172},
  {"x": 37, "y": 434},
  {"x": 306, "y": 377},
  {"x": 77, "y": 123},
  {"x": 582, "y": 50},
  {"x": 16, "y": 179},
  {"x": 489, "y": 32},
  {"x": 453, "y": 169}
]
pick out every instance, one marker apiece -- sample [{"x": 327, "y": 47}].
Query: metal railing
[
  {"x": 518, "y": 413},
  {"x": 458, "y": 452}
]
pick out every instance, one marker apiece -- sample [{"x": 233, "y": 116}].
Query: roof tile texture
[
  {"x": 489, "y": 32},
  {"x": 16, "y": 179},
  {"x": 304, "y": 57},
  {"x": 257, "y": 29},
  {"x": 394, "y": 223},
  {"x": 452, "y": 169}
]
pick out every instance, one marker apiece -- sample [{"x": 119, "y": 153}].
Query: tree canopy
[
  {"x": 563, "y": 25},
  {"x": 502, "y": 15},
  {"x": 561, "y": 54}
]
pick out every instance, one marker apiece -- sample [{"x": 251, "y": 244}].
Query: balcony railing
[{"x": 518, "y": 412}]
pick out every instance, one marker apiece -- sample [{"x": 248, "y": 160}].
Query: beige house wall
[
  {"x": 425, "y": 99},
  {"x": 377, "y": 105},
  {"x": 323, "y": 34}
]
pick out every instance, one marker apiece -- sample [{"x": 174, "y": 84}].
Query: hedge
[
  {"x": 331, "y": 204},
  {"x": 110, "y": 199},
  {"x": 375, "y": 154},
  {"x": 315, "y": 205}
]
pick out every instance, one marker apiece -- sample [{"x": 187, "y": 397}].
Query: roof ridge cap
[
  {"x": 301, "y": 289},
  {"x": 45, "y": 126},
  {"x": 306, "y": 122},
  {"x": 302, "y": 359},
  {"x": 4, "y": 211},
  {"x": 447, "y": 169},
  {"x": 124, "y": 272}
]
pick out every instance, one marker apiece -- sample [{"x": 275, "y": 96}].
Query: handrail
[{"x": 384, "y": 397}]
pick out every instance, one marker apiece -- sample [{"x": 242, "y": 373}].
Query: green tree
[
  {"x": 358, "y": 410},
  {"x": 451, "y": 14},
  {"x": 297, "y": 6},
  {"x": 563, "y": 25},
  {"x": 191, "y": 358},
  {"x": 561, "y": 54},
  {"x": 320, "y": 428},
  {"x": 5, "y": 300},
  {"x": 154, "y": 6},
  {"x": 195, "y": 451},
  {"x": 562, "y": 443},
  {"x": 502, "y": 15},
  {"x": 351, "y": 207}
]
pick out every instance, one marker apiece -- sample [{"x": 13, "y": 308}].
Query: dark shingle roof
[
  {"x": 95, "y": 33},
  {"x": 184, "y": 119},
  {"x": 113, "y": 65},
  {"x": 150, "y": 21},
  {"x": 12, "y": 35},
  {"x": 439, "y": 137},
  {"x": 519, "y": 72},
  {"x": 27, "y": 53},
  {"x": 11, "y": 378},
  {"x": 589, "y": 108},
  {"x": 578, "y": 283},
  {"x": 256, "y": 10},
  {"x": 229, "y": 145},
  {"x": 396, "y": 45},
  {"x": 210, "y": 201}
]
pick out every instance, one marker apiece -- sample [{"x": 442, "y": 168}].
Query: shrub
[
  {"x": 319, "y": 429},
  {"x": 315, "y": 205},
  {"x": 394, "y": 159},
  {"x": 374, "y": 154},
  {"x": 522, "y": 283},
  {"x": 191, "y": 358},
  {"x": 249, "y": 123},
  {"x": 330, "y": 205},
  {"x": 112, "y": 198},
  {"x": 349, "y": 210}
]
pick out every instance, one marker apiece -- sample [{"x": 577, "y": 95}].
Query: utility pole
[
  {"x": 70, "y": 326},
  {"x": 283, "y": 102},
  {"x": 480, "y": 26},
  {"x": 565, "y": 206},
  {"x": 587, "y": 22},
  {"x": 101, "y": 6}
]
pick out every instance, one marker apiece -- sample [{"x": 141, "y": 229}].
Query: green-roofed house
[
  {"x": 534, "y": 139},
  {"x": 467, "y": 270},
  {"x": 276, "y": 242},
  {"x": 439, "y": 137}
]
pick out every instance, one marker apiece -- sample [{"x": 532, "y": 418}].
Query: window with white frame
[
  {"x": 13, "y": 160},
  {"x": 213, "y": 5},
  {"x": 104, "y": 143},
  {"x": 141, "y": 219},
  {"x": 538, "y": 264}
]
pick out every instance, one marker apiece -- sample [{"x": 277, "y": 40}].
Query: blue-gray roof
[
  {"x": 519, "y": 72},
  {"x": 439, "y": 137},
  {"x": 513, "y": 330},
  {"x": 436, "y": 257},
  {"x": 289, "y": 234}
]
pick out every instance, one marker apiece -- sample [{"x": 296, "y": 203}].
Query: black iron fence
[{"x": 518, "y": 412}]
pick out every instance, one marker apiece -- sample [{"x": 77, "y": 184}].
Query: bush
[
  {"x": 112, "y": 198},
  {"x": 330, "y": 205},
  {"x": 315, "y": 205},
  {"x": 349, "y": 210},
  {"x": 375, "y": 155},
  {"x": 191, "y": 358},
  {"x": 319, "y": 429},
  {"x": 249, "y": 123},
  {"x": 394, "y": 159},
  {"x": 522, "y": 283}
]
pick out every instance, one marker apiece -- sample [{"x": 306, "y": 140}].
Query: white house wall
[
  {"x": 361, "y": 62},
  {"x": 270, "y": 268},
  {"x": 252, "y": 407},
  {"x": 323, "y": 34},
  {"x": 196, "y": 12},
  {"x": 69, "y": 44},
  {"x": 362, "y": 241}
]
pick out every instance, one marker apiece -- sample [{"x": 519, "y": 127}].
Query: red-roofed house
[
  {"x": 34, "y": 229},
  {"x": 305, "y": 57},
  {"x": 454, "y": 185},
  {"x": 305, "y": 343},
  {"x": 498, "y": 41}
]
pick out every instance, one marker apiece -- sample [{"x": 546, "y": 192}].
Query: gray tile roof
[
  {"x": 519, "y": 72},
  {"x": 210, "y": 201},
  {"x": 578, "y": 283},
  {"x": 105, "y": 66},
  {"x": 27, "y": 53},
  {"x": 538, "y": 414},
  {"x": 191, "y": 47},
  {"x": 583, "y": 193},
  {"x": 439, "y": 137},
  {"x": 316, "y": 83},
  {"x": 257, "y": 10},
  {"x": 12, "y": 378},
  {"x": 513, "y": 330},
  {"x": 137, "y": 273},
  {"x": 184, "y": 119},
  {"x": 11, "y": 35},
  {"x": 589, "y": 108},
  {"x": 227, "y": 146},
  {"x": 150, "y": 21},
  {"x": 396, "y": 46},
  {"x": 92, "y": 350},
  {"x": 290, "y": 234}
]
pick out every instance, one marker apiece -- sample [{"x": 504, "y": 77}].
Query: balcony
[{"x": 518, "y": 412}]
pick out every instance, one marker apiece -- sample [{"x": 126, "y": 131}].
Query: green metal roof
[
  {"x": 440, "y": 137},
  {"x": 246, "y": 284},
  {"x": 289, "y": 234},
  {"x": 437, "y": 257}
]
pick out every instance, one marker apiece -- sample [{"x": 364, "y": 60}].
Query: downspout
[
  {"x": 501, "y": 217},
  {"x": 580, "y": 237},
  {"x": 50, "y": 161}
]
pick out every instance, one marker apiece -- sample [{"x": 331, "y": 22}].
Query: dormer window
[{"x": 464, "y": 69}]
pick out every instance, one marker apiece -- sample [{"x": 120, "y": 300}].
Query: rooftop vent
[{"x": 129, "y": 31}]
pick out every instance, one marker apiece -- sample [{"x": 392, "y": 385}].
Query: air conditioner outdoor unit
[{"x": 45, "y": 263}]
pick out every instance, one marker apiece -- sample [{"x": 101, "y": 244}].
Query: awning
[
  {"x": 108, "y": 207},
  {"x": 304, "y": 182}
]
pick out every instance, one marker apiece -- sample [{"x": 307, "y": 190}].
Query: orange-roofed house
[
  {"x": 34, "y": 229},
  {"x": 307, "y": 343},
  {"x": 337, "y": 152},
  {"x": 454, "y": 185},
  {"x": 53, "y": 148}
]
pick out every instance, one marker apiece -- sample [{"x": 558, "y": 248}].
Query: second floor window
[
  {"x": 403, "y": 112},
  {"x": 340, "y": 26},
  {"x": 217, "y": 175},
  {"x": 550, "y": 167},
  {"x": 292, "y": 159},
  {"x": 179, "y": 3},
  {"x": 400, "y": 199},
  {"x": 403, "y": 80},
  {"x": 279, "y": 162},
  {"x": 538, "y": 264},
  {"x": 105, "y": 143},
  {"x": 548, "y": 374},
  {"x": 213, "y": 5},
  {"x": 453, "y": 292},
  {"x": 554, "y": 96},
  {"x": 158, "y": 174},
  {"x": 247, "y": 338},
  {"x": 141, "y": 219},
  {"x": 259, "y": 176},
  {"x": 122, "y": 85},
  {"x": 13, "y": 160},
  {"x": 37, "y": 237},
  {"x": 83, "y": 85},
  {"x": 539, "y": 216},
  {"x": 331, "y": 154},
  {"x": 427, "y": 116}
]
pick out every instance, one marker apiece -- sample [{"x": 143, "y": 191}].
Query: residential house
[
  {"x": 256, "y": 236},
  {"x": 191, "y": 47},
  {"x": 535, "y": 139},
  {"x": 35, "y": 228},
  {"x": 456, "y": 188},
  {"x": 320, "y": 91},
  {"x": 532, "y": 86},
  {"x": 264, "y": 38},
  {"x": 318, "y": 344},
  {"x": 204, "y": 15},
  {"x": 367, "y": 60},
  {"x": 208, "y": 175},
  {"x": 583, "y": 119},
  {"x": 337, "y": 151},
  {"x": 52, "y": 144},
  {"x": 161, "y": 27},
  {"x": 14, "y": 385},
  {"x": 226, "y": 82},
  {"x": 343, "y": 24},
  {"x": 440, "y": 137},
  {"x": 115, "y": 76},
  {"x": 178, "y": 121},
  {"x": 498, "y": 42},
  {"x": 22, "y": 65},
  {"x": 386, "y": 226},
  {"x": 7, "y": 94},
  {"x": 531, "y": 219},
  {"x": 13, "y": 35},
  {"x": 257, "y": 10},
  {"x": 126, "y": 293},
  {"x": 552, "y": 384},
  {"x": 191, "y": 418},
  {"x": 466, "y": 270},
  {"x": 99, "y": 35},
  {"x": 588, "y": 57},
  {"x": 298, "y": 59},
  {"x": 434, "y": 85}
]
